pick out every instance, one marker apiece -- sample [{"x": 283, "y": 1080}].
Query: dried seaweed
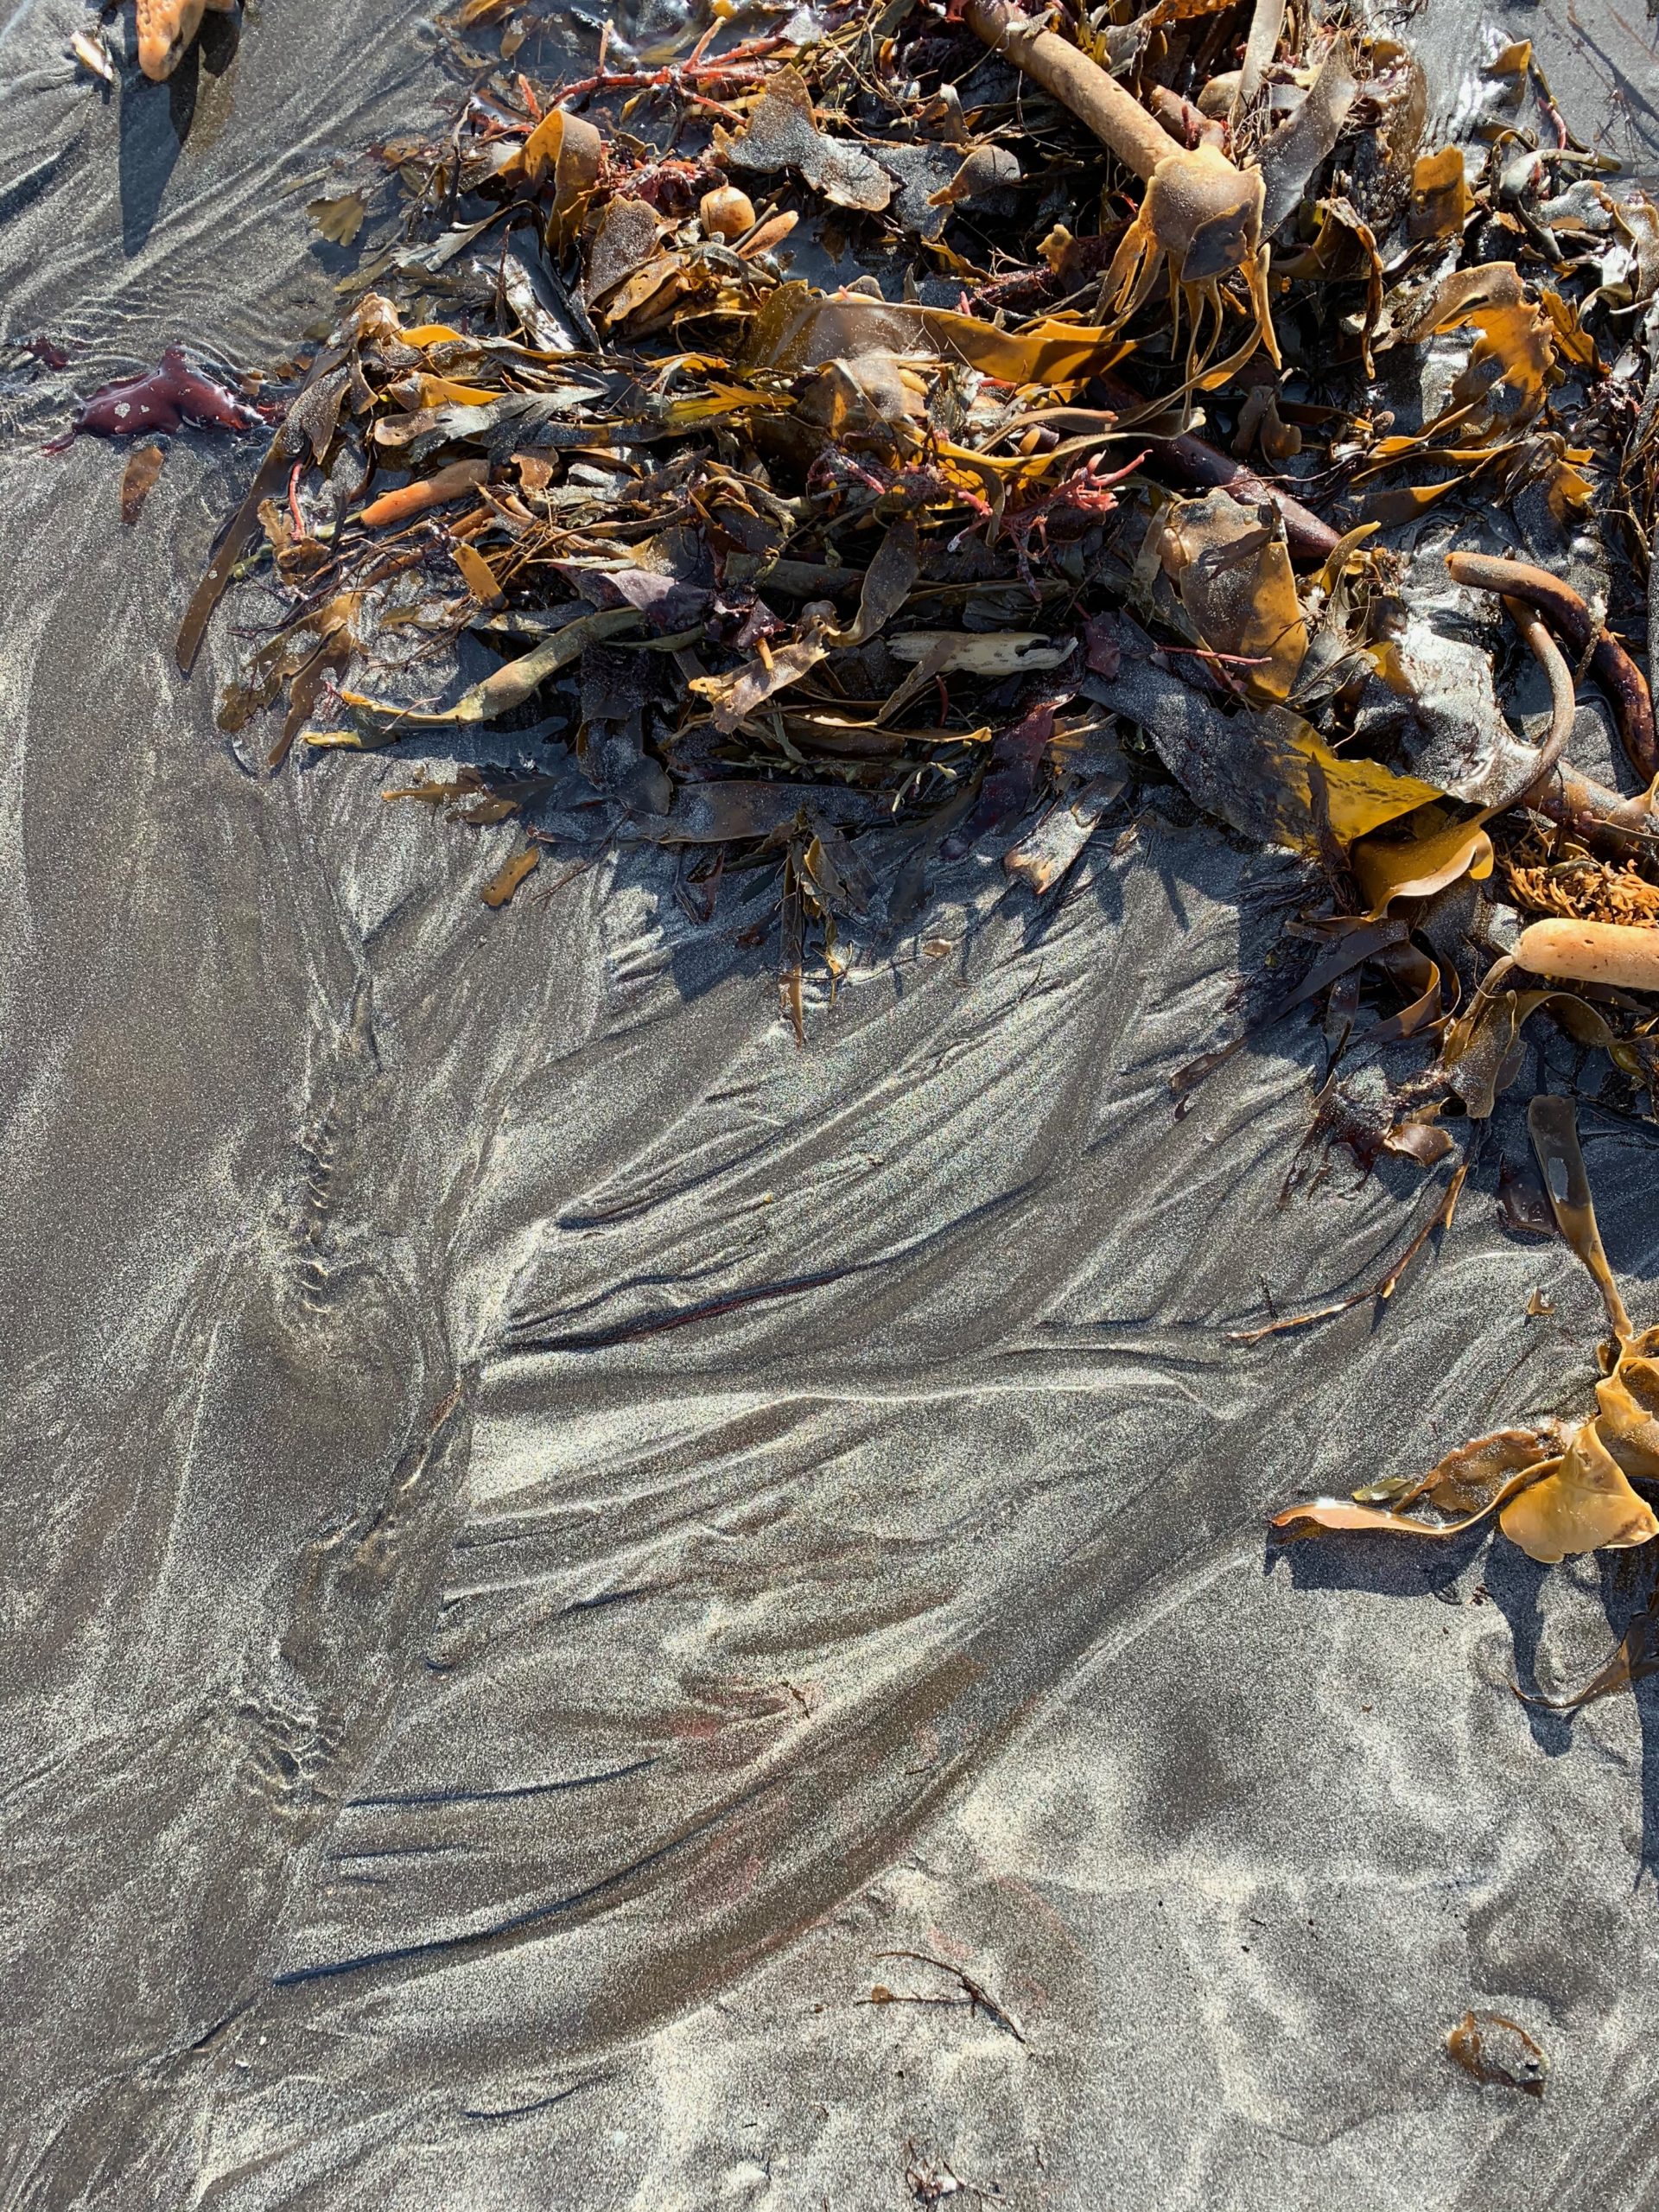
[
  {"x": 1556, "y": 1492},
  {"x": 1494, "y": 2049},
  {"x": 138, "y": 481},
  {"x": 900, "y": 563}
]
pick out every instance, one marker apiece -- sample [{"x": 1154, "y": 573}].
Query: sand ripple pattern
[{"x": 547, "y": 1529}]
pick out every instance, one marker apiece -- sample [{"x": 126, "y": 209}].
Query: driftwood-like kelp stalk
[{"x": 873, "y": 572}]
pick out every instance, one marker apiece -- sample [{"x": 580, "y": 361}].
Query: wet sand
[{"x": 548, "y": 1532}]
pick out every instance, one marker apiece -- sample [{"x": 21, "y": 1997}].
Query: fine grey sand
[{"x": 470, "y": 1743}]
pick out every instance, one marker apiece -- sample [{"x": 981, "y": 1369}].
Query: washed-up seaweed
[
  {"x": 1557, "y": 1490},
  {"x": 1160, "y": 441},
  {"x": 1010, "y": 520}
]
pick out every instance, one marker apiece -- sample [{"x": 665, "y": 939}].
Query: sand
[{"x": 473, "y": 1743}]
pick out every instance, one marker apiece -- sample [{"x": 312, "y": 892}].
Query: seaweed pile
[{"x": 1130, "y": 459}]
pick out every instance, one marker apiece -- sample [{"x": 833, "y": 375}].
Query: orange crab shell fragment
[{"x": 166, "y": 28}]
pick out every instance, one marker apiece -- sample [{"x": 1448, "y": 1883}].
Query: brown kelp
[
  {"x": 638, "y": 410},
  {"x": 1083, "y": 484}
]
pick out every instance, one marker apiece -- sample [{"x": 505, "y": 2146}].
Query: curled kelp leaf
[
  {"x": 1587, "y": 1503},
  {"x": 1481, "y": 1052},
  {"x": 1495, "y": 2048},
  {"x": 1581, "y": 1503},
  {"x": 1558, "y": 1493},
  {"x": 566, "y": 152},
  {"x": 1231, "y": 569},
  {"x": 1455, "y": 1494},
  {"x": 1439, "y": 852},
  {"x": 1469, "y": 747},
  {"x": 1267, "y": 775},
  {"x": 1629, "y": 1402}
]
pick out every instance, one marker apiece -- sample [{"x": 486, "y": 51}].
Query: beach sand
[{"x": 548, "y": 1532}]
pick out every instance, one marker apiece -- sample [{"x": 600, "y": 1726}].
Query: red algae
[{"x": 164, "y": 398}]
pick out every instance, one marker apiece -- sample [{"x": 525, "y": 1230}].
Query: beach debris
[
  {"x": 1585, "y": 637},
  {"x": 166, "y": 28},
  {"x": 1416, "y": 1139},
  {"x": 510, "y": 874},
  {"x": 970, "y": 1993},
  {"x": 1083, "y": 485},
  {"x": 1557, "y": 1491},
  {"x": 91, "y": 50},
  {"x": 162, "y": 398},
  {"x": 782, "y": 132},
  {"x": 340, "y": 218},
  {"x": 460, "y": 478},
  {"x": 726, "y": 212},
  {"x": 1583, "y": 889},
  {"x": 1155, "y": 446},
  {"x": 1623, "y": 953},
  {"x": 1496, "y": 2050},
  {"x": 1199, "y": 211},
  {"x": 932, "y": 2180},
  {"x": 138, "y": 481},
  {"x": 1635, "y": 1660}
]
